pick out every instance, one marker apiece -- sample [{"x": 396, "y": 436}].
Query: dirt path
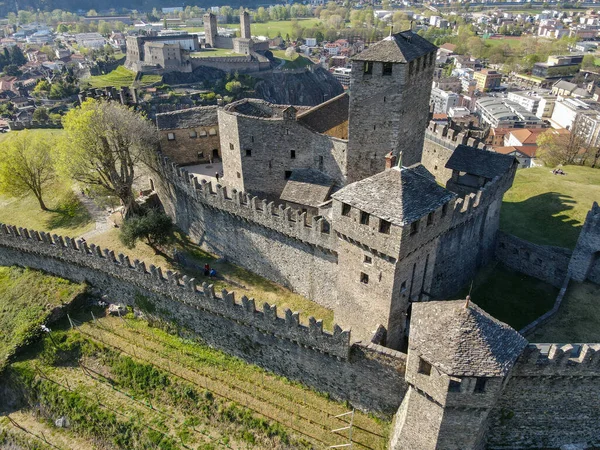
[{"x": 99, "y": 215}]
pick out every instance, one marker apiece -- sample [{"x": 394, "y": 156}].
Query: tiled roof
[
  {"x": 478, "y": 162},
  {"x": 449, "y": 47},
  {"x": 307, "y": 187},
  {"x": 401, "y": 47},
  {"x": 327, "y": 115},
  {"x": 463, "y": 340},
  {"x": 526, "y": 150},
  {"x": 201, "y": 116},
  {"x": 397, "y": 195},
  {"x": 527, "y": 137}
]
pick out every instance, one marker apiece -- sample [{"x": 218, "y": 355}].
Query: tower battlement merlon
[
  {"x": 288, "y": 221},
  {"x": 40, "y": 250}
]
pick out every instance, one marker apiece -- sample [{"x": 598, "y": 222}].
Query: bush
[{"x": 154, "y": 226}]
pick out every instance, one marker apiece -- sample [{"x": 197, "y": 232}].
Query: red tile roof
[{"x": 528, "y": 150}]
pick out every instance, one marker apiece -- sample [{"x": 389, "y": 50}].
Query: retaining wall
[{"x": 369, "y": 378}]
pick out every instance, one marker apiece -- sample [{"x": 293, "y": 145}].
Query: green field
[
  {"x": 44, "y": 132},
  {"x": 26, "y": 299},
  {"x": 580, "y": 307},
  {"x": 214, "y": 53},
  {"x": 510, "y": 296},
  {"x": 550, "y": 209},
  {"x": 269, "y": 29},
  {"x": 120, "y": 77},
  {"x": 294, "y": 62},
  {"x": 498, "y": 42}
]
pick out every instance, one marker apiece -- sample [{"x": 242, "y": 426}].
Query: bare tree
[{"x": 104, "y": 142}]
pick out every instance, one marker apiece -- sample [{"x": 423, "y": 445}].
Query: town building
[
  {"x": 441, "y": 101},
  {"x": 487, "y": 80},
  {"x": 503, "y": 113}
]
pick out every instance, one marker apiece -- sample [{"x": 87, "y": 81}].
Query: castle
[
  {"x": 383, "y": 231},
  {"x": 180, "y": 52}
]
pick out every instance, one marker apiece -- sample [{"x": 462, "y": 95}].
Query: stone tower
[
  {"x": 390, "y": 87},
  {"x": 585, "y": 262},
  {"x": 459, "y": 359},
  {"x": 210, "y": 28},
  {"x": 245, "y": 26}
]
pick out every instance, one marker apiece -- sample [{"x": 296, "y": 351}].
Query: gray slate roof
[
  {"x": 401, "y": 47},
  {"x": 307, "y": 187},
  {"x": 463, "y": 340},
  {"x": 479, "y": 162},
  {"x": 201, "y": 116},
  {"x": 327, "y": 115},
  {"x": 399, "y": 196}
]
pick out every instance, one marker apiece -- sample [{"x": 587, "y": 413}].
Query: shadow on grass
[
  {"x": 69, "y": 212},
  {"x": 542, "y": 220},
  {"x": 510, "y": 296}
]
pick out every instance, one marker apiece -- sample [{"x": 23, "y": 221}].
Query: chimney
[{"x": 390, "y": 161}]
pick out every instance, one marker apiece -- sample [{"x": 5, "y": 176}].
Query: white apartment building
[
  {"x": 442, "y": 101},
  {"x": 540, "y": 105},
  {"x": 503, "y": 113}
]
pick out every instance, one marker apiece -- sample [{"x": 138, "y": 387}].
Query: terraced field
[{"x": 188, "y": 395}]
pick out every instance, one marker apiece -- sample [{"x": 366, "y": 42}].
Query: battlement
[
  {"x": 559, "y": 359},
  {"x": 592, "y": 221},
  {"x": 466, "y": 206},
  {"x": 175, "y": 286},
  {"x": 288, "y": 221},
  {"x": 450, "y": 138}
]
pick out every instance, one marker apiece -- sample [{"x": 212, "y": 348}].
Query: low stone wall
[
  {"x": 544, "y": 262},
  {"x": 369, "y": 378}
]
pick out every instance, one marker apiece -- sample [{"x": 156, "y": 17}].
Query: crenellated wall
[
  {"x": 550, "y": 400},
  {"x": 326, "y": 361}
]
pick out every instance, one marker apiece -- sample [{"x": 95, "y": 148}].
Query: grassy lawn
[
  {"x": 498, "y": 42},
  {"x": 550, "y": 209},
  {"x": 44, "y": 132},
  {"x": 231, "y": 277},
  {"x": 125, "y": 384},
  {"x": 577, "y": 320},
  {"x": 294, "y": 62},
  {"x": 67, "y": 216},
  {"x": 214, "y": 53},
  {"x": 120, "y": 77},
  {"x": 26, "y": 298},
  {"x": 510, "y": 296}
]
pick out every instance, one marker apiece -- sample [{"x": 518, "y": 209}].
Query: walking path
[{"x": 99, "y": 215}]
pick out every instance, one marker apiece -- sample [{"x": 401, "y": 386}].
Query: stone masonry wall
[
  {"x": 543, "y": 262},
  {"x": 323, "y": 360},
  {"x": 550, "y": 400},
  {"x": 278, "y": 244},
  {"x": 585, "y": 263},
  {"x": 188, "y": 148}
]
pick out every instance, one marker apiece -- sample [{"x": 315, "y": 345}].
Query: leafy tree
[
  {"x": 16, "y": 56},
  {"x": 561, "y": 148},
  {"x": 41, "y": 115},
  {"x": 104, "y": 141},
  {"x": 233, "y": 86},
  {"x": 155, "y": 227},
  {"x": 12, "y": 70},
  {"x": 26, "y": 166},
  {"x": 62, "y": 28}
]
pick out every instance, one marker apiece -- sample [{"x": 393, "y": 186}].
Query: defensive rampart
[
  {"x": 550, "y": 400},
  {"x": 318, "y": 358},
  {"x": 585, "y": 263},
  {"x": 544, "y": 262}
]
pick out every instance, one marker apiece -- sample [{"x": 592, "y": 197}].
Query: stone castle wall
[
  {"x": 323, "y": 360},
  {"x": 550, "y": 400},
  {"x": 544, "y": 262},
  {"x": 277, "y": 243},
  {"x": 585, "y": 263},
  {"x": 242, "y": 64}
]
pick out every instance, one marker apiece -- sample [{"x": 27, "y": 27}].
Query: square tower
[
  {"x": 245, "y": 26},
  {"x": 210, "y": 28},
  {"x": 390, "y": 86}
]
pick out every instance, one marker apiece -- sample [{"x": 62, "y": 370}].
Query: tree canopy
[
  {"x": 104, "y": 143},
  {"x": 27, "y": 165}
]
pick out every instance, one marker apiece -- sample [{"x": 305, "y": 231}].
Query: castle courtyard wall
[
  {"x": 550, "y": 400},
  {"x": 369, "y": 376},
  {"x": 544, "y": 262}
]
